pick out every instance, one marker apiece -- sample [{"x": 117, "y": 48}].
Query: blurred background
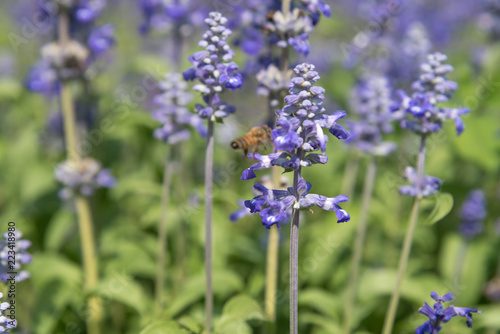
[{"x": 115, "y": 115}]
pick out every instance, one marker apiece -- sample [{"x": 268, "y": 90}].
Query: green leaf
[
  {"x": 320, "y": 300},
  {"x": 443, "y": 206},
  {"x": 50, "y": 302},
  {"x": 164, "y": 327},
  {"x": 323, "y": 322},
  {"x": 237, "y": 311},
  {"x": 225, "y": 283},
  {"x": 121, "y": 288}
]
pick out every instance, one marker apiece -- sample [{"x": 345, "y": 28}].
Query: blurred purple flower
[
  {"x": 429, "y": 185},
  {"x": 420, "y": 113},
  {"x": 82, "y": 177},
  {"x": 472, "y": 214},
  {"x": 12, "y": 246}
]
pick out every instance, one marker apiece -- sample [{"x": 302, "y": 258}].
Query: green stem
[
  {"x": 349, "y": 179},
  {"x": 209, "y": 161},
  {"x": 294, "y": 262},
  {"x": 459, "y": 265},
  {"x": 89, "y": 263},
  {"x": 84, "y": 214},
  {"x": 162, "y": 233},
  {"x": 359, "y": 243},
  {"x": 405, "y": 254},
  {"x": 272, "y": 274}
]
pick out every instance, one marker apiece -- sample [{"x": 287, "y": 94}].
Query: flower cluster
[
  {"x": 160, "y": 15},
  {"x": 420, "y": 112},
  {"x": 172, "y": 111},
  {"x": 213, "y": 69},
  {"x": 272, "y": 83},
  {"x": 472, "y": 214},
  {"x": 12, "y": 246},
  {"x": 82, "y": 178},
  {"x": 83, "y": 12},
  {"x": 439, "y": 315},
  {"x": 265, "y": 182},
  {"x": 429, "y": 185},
  {"x": 298, "y": 134},
  {"x": 5, "y": 323},
  {"x": 73, "y": 59},
  {"x": 261, "y": 24},
  {"x": 292, "y": 29},
  {"x": 371, "y": 99}
]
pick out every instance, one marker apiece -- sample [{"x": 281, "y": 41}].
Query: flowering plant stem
[
  {"x": 405, "y": 253},
  {"x": 162, "y": 232},
  {"x": 82, "y": 204},
  {"x": 294, "y": 260},
  {"x": 272, "y": 274},
  {"x": 272, "y": 265},
  {"x": 209, "y": 162},
  {"x": 359, "y": 243}
]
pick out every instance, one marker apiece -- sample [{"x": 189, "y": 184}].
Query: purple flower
[
  {"x": 300, "y": 43},
  {"x": 420, "y": 113},
  {"x": 88, "y": 10},
  {"x": 429, "y": 185},
  {"x": 82, "y": 177},
  {"x": 12, "y": 242},
  {"x": 472, "y": 214},
  {"x": 285, "y": 137},
  {"x": 237, "y": 215},
  {"x": 161, "y": 16},
  {"x": 101, "y": 39},
  {"x": 438, "y": 315},
  {"x": 229, "y": 76},
  {"x": 213, "y": 68},
  {"x": 172, "y": 112},
  {"x": 273, "y": 205},
  {"x": 371, "y": 100},
  {"x": 42, "y": 78},
  {"x": 298, "y": 134},
  {"x": 6, "y": 323}
]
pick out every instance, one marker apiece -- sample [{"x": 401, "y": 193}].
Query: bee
[{"x": 256, "y": 137}]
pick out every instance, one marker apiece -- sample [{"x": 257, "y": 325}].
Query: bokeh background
[{"x": 126, "y": 216}]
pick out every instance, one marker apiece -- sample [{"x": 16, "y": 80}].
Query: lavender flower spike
[
  {"x": 420, "y": 112},
  {"x": 172, "y": 111},
  {"x": 298, "y": 135},
  {"x": 439, "y": 315},
  {"x": 12, "y": 242},
  {"x": 214, "y": 69}
]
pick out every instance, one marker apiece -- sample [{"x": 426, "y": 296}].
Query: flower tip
[{"x": 248, "y": 174}]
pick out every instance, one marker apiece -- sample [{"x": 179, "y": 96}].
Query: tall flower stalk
[
  {"x": 215, "y": 73},
  {"x": 85, "y": 222},
  {"x": 63, "y": 62},
  {"x": 298, "y": 134},
  {"x": 176, "y": 120},
  {"x": 371, "y": 101},
  {"x": 420, "y": 114},
  {"x": 284, "y": 29}
]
